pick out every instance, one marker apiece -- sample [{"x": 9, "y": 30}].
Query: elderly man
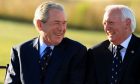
[
  {"x": 116, "y": 60},
  {"x": 50, "y": 58}
]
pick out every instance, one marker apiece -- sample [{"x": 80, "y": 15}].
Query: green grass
[{"x": 12, "y": 33}]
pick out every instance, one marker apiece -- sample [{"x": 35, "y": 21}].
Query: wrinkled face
[
  {"x": 52, "y": 32},
  {"x": 117, "y": 29}
]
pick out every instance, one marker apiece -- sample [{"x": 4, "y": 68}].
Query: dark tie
[
  {"x": 44, "y": 62},
  {"x": 116, "y": 66}
]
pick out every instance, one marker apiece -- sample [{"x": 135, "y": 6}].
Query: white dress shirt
[
  {"x": 42, "y": 48},
  {"x": 125, "y": 45}
]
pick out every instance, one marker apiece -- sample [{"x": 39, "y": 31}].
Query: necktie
[
  {"x": 44, "y": 62},
  {"x": 116, "y": 66},
  {"x": 46, "y": 52}
]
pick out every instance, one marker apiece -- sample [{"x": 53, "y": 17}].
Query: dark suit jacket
[
  {"x": 67, "y": 64},
  {"x": 100, "y": 60}
]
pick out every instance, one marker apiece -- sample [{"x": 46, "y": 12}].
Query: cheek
[
  {"x": 119, "y": 29},
  {"x": 64, "y": 30}
]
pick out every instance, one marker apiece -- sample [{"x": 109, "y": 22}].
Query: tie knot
[
  {"x": 48, "y": 50},
  {"x": 119, "y": 47}
]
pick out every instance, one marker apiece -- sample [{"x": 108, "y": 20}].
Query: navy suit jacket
[
  {"x": 67, "y": 64},
  {"x": 100, "y": 60}
]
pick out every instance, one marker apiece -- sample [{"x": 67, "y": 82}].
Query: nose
[
  {"x": 61, "y": 27},
  {"x": 64, "y": 24},
  {"x": 106, "y": 26}
]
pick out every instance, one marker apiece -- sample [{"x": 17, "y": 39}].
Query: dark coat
[
  {"x": 67, "y": 64},
  {"x": 100, "y": 60}
]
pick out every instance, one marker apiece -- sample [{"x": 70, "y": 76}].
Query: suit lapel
[
  {"x": 32, "y": 60},
  {"x": 31, "y": 53},
  {"x": 110, "y": 47},
  {"x": 36, "y": 48},
  {"x": 110, "y": 57},
  {"x": 129, "y": 54},
  {"x": 104, "y": 61},
  {"x": 56, "y": 61},
  {"x": 35, "y": 58}
]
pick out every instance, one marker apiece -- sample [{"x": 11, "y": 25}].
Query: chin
[
  {"x": 57, "y": 42},
  {"x": 113, "y": 41},
  {"x": 110, "y": 39}
]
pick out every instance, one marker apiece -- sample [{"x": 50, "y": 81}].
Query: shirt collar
[
  {"x": 126, "y": 42},
  {"x": 43, "y": 46}
]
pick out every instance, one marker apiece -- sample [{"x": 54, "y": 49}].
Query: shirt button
[
  {"x": 46, "y": 64},
  {"x": 42, "y": 68},
  {"x": 44, "y": 58}
]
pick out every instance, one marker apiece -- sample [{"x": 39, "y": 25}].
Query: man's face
[
  {"x": 116, "y": 28},
  {"x": 55, "y": 27}
]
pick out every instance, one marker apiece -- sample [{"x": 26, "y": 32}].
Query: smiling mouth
[
  {"x": 110, "y": 33},
  {"x": 59, "y": 35}
]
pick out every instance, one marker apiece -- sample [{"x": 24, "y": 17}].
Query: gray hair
[
  {"x": 126, "y": 13},
  {"x": 41, "y": 12}
]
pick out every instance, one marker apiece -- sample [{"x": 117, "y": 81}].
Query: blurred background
[
  {"x": 82, "y": 14},
  {"x": 84, "y": 22}
]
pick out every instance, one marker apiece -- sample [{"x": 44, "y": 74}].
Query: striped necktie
[
  {"x": 116, "y": 66},
  {"x": 44, "y": 62}
]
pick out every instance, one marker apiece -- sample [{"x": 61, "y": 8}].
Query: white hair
[
  {"x": 127, "y": 13},
  {"x": 41, "y": 12}
]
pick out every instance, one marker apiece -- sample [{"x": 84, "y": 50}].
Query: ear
[
  {"x": 39, "y": 25},
  {"x": 128, "y": 22}
]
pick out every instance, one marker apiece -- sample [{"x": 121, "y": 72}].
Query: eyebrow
[{"x": 59, "y": 21}]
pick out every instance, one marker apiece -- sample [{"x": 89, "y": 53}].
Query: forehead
[
  {"x": 55, "y": 14},
  {"x": 113, "y": 15}
]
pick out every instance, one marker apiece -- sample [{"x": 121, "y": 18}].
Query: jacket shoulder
[
  {"x": 103, "y": 44},
  {"x": 72, "y": 42},
  {"x": 26, "y": 43}
]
